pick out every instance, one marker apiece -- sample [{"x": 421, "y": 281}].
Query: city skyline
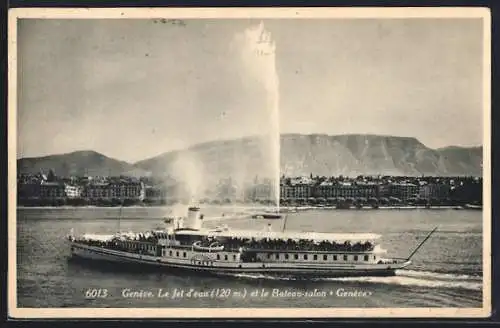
[{"x": 116, "y": 87}]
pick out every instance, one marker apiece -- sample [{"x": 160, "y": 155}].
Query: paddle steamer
[{"x": 187, "y": 245}]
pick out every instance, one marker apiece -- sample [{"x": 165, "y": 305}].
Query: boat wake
[{"x": 426, "y": 279}]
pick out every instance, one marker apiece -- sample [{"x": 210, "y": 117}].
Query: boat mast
[
  {"x": 119, "y": 217},
  {"x": 421, "y": 244},
  {"x": 284, "y": 223}
]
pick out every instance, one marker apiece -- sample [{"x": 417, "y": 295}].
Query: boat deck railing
[
  {"x": 265, "y": 247},
  {"x": 281, "y": 250}
]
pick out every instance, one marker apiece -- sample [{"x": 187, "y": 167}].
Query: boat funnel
[{"x": 194, "y": 219}]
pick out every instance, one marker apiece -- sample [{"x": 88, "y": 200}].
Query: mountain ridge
[
  {"x": 300, "y": 154},
  {"x": 78, "y": 163}
]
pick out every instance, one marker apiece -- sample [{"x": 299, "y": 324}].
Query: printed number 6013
[{"x": 96, "y": 293}]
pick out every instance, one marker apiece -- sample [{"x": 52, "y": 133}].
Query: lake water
[{"x": 446, "y": 272}]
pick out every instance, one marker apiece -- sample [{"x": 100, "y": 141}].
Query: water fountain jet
[{"x": 258, "y": 53}]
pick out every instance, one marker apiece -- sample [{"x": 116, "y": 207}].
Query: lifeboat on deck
[{"x": 213, "y": 247}]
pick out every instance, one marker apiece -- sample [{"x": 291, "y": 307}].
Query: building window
[
  {"x": 366, "y": 257},
  {"x": 286, "y": 256},
  {"x": 325, "y": 257},
  {"x": 277, "y": 256},
  {"x": 234, "y": 257},
  {"x": 176, "y": 253},
  {"x": 305, "y": 256},
  {"x": 335, "y": 257},
  {"x": 315, "y": 257},
  {"x": 355, "y": 257},
  {"x": 269, "y": 255},
  {"x": 296, "y": 256},
  {"x": 184, "y": 254},
  {"x": 218, "y": 257},
  {"x": 345, "y": 257},
  {"x": 225, "y": 257},
  {"x": 170, "y": 253}
]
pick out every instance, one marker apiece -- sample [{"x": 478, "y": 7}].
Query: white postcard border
[{"x": 239, "y": 13}]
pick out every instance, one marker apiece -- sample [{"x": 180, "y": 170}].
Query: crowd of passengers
[
  {"x": 119, "y": 244},
  {"x": 290, "y": 244},
  {"x": 234, "y": 243}
]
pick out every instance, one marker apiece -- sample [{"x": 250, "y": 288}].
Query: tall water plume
[
  {"x": 258, "y": 54},
  {"x": 188, "y": 173}
]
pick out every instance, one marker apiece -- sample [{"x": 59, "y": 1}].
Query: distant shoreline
[{"x": 286, "y": 209}]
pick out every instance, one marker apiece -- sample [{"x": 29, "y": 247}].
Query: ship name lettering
[
  {"x": 341, "y": 292},
  {"x": 276, "y": 292}
]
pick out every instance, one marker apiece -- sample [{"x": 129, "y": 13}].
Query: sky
[{"x": 133, "y": 89}]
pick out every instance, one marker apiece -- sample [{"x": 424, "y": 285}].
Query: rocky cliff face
[
  {"x": 331, "y": 155},
  {"x": 371, "y": 154}
]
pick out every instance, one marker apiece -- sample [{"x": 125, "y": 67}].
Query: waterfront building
[
  {"x": 52, "y": 190},
  {"x": 384, "y": 190},
  {"x": 154, "y": 194},
  {"x": 345, "y": 190},
  {"x": 325, "y": 189},
  {"x": 296, "y": 191},
  {"x": 301, "y": 181},
  {"x": 404, "y": 191},
  {"x": 288, "y": 192},
  {"x": 435, "y": 190},
  {"x": 302, "y": 190},
  {"x": 96, "y": 190},
  {"x": 115, "y": 190},
  {"x": 29, "y": 190},
  {"x": 469, "y": 190},
  {"x": 73, "y": 191},
  {"x": 366, "y": 189},
  {"x": 35, "y": 188}
]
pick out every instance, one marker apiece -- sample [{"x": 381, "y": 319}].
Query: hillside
[
  {"x": 78, "y": 163},
  {"x": 372, "y": 154},
  {"x": 327, "y": 155},
  {"x": 245, "y": 158}
]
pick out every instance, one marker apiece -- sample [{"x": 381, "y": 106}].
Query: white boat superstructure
[{"x": 222, "y": 250}]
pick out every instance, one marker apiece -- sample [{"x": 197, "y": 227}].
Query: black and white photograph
[{"x": 285, "y": 162}]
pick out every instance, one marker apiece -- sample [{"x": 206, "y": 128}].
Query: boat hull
[
  {"x": 88, "y": 253},
  {"x": 267, "y": 216}
]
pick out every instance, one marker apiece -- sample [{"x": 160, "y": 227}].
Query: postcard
[{"x": 249, "y": 163}]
